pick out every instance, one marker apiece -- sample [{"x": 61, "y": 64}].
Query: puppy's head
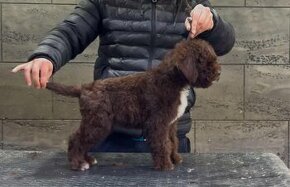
[{"x": 197, "y": 62}]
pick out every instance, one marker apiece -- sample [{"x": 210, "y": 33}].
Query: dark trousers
[{"x": 118, "y": 142}]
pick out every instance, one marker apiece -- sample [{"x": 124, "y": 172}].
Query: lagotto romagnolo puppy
[{"x": 152, "y": 101}]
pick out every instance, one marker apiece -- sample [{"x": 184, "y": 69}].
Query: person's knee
[{"x": 184, "y": 145}]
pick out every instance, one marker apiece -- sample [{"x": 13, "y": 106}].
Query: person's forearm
[{"x": 71, "y": 36}]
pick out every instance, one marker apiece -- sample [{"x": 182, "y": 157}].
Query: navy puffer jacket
[{"x": 134, "y": 36}]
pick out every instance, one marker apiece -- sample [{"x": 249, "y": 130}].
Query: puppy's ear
[{"x": 189, "y": 69}]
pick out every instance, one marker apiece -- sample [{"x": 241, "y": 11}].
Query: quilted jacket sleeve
[
  {"x": 222, "y": 36},
  {"x": 71, "y": 36}
]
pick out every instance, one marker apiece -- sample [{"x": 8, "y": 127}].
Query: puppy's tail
[{"x": 72, "y": 91}]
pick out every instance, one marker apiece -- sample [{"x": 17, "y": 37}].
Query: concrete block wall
[{"x": 247, "y": 110}]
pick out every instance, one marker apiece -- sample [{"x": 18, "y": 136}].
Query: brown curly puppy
[{"x": 152, "y": 100}]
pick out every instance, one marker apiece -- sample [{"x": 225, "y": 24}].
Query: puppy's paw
[
  {"x": 80, "y": 166},
  {"x": 91, "y": 160},
  {"x": 176, "y": 159},
  {"x": 164, "y": 167},
  {"x": 84, "y": 166},
  {"x": 94, "y": 162}
]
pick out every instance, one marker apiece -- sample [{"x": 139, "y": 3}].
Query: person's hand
[
  {"x": 37, "y": 71},
  {"x": 201, "y": 20}
]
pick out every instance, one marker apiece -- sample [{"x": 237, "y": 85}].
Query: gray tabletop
[{"x": 24, "y": 168}]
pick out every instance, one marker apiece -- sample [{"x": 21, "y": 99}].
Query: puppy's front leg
[
  {"x": 160, "y": 144},
  {"x": 175, "y": 157}
]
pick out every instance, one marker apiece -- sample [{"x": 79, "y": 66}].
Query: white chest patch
[{"x": 183, "y": 103}]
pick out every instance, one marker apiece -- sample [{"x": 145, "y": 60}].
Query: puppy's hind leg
[
  {"x": 91, "y": 132},
  {"x": 75, "y": 152}
]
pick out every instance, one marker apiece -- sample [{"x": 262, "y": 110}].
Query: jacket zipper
[{"x": 153, "y": 33}]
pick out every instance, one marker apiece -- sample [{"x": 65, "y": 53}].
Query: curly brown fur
[{"x": 152, "y": 100}]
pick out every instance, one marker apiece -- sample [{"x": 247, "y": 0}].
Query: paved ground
[{"x": 22, "y": 168}]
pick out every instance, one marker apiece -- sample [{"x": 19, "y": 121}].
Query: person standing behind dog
[{"x": 134, "y": 36}]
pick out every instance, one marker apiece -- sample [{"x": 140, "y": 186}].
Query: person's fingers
[
  {"x": 27, "y": 74},
  {"x": 36, "y": 74},
  {"x": 201, "y": 22},
  {"x": 26, "y": 68},
  {"x": 195, "y": 14},
  {"x": 44, "y": 75},
  {"x": 18, "y": 68},
  {"x": 188, "y": 26},
  {"x": 193, "y": 26},
  {"x": 208, "y": 24},
  {"x": 208, "y": 21},
  {"x": 187, "y": 23},
  {"x": 191, "y": 35}
]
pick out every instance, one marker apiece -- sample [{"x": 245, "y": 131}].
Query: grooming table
[{"x": 30, "y": 168}]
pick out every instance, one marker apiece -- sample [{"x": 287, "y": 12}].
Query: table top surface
[{"x": 48, "y": 168}]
